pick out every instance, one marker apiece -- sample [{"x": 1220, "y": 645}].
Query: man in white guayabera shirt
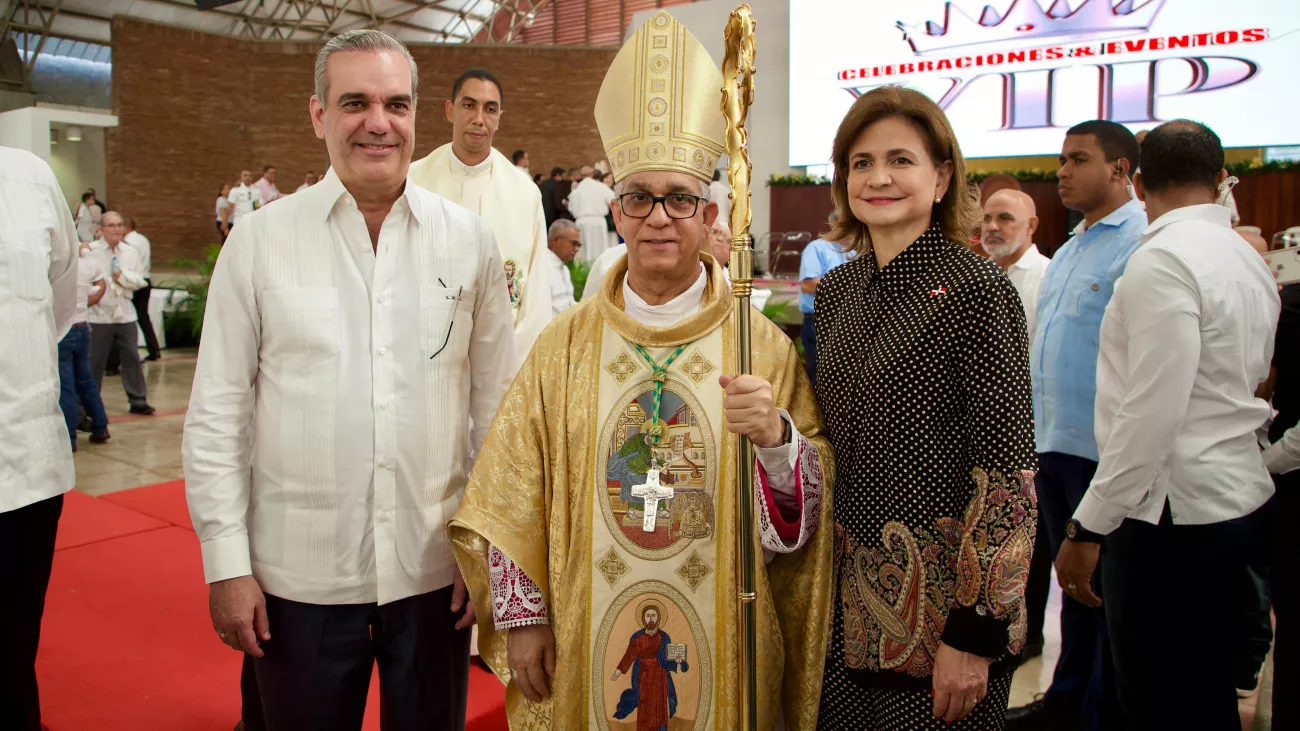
[
  {"x": 354, "y": 331},
  {"x": 38, "y": 305}
]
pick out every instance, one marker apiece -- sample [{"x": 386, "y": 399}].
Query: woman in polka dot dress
[{"x": 924, "y": 381}]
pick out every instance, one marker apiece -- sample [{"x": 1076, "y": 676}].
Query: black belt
[{"x": 81, "y": 324}]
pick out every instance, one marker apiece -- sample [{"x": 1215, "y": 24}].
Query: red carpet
[{"x": 127, "y": 644}]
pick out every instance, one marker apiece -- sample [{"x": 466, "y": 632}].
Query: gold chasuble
[{"x": 554, "y": 489}]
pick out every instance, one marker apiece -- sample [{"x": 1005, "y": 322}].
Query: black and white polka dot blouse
[{"x": 924, "y": 381}]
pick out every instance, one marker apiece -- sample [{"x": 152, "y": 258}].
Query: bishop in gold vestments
[{"x": 602, "y": 508}]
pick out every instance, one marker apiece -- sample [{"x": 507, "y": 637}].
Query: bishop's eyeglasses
[{"x": 676, "y": 205}]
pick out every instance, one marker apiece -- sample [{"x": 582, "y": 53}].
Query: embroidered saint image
[{"x": 651, "y": 659}]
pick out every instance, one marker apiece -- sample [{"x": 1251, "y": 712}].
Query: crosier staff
[{"x": 737, "y": 96}]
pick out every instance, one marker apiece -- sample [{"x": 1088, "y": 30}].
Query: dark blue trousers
[
  {"x": 1084, "y": 679},
  {"x": 1169, "y": 591},
  {"x": 77, "y": 382},
  {"x": 808, "y": 334},
  {"x": 316, "y": 671}
]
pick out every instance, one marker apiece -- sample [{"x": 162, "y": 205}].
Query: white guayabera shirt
[
  {"x": 38, "y": 301},
  {"x": 338, "y": 393}
]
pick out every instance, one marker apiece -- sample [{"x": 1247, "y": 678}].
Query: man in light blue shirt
[
  {"x": 1097, "y": 159},
  {"x": 819, "y": 257}
]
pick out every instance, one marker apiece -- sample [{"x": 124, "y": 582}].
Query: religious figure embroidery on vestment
[
  {"x": 694, "y": 510},
  {"x": 622, "y": 367},
  {"x": 512, "y": 283},
  {"x": 892, "y": 596},
  {"x": 652, "y": 663},
  {"x": 612, "y": 566},
  {"x": 686, "y": 460},
  {"x": 697, "y": 367},
  {"x": 694, "y": 570}
]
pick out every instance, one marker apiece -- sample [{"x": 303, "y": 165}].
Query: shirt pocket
[
  {"x": 301, "y": 338},
  {"x": 26, "y": 258},
  {"x": 1090, "y": 300},
  {"x": 446, "y": 320}
]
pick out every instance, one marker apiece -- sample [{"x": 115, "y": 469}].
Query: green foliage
[
  {"x": 1039, "y": 175},
  {"x": 1032, "y": 175},
  {"x": 1259, "y": 166},
  {"x": 184, "y": 326},
  {"x": 578, "y": 271},
  {"x": 778, "y": 312},
  {"x": 640, "y": 455},
  {"x": 781, "y": 181}
]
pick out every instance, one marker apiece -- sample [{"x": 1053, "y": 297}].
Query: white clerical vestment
[
  {"x": 512, "y": 205},
  {"x": 589, "y": 203}
]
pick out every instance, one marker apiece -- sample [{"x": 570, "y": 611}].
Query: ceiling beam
[{"x": 345, "y": 10}]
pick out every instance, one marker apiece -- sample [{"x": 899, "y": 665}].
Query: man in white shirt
[
  {"x": 266, "y": 184},
  {"x": 564, "y": 242},
  {"x": 599, "y": 268},
  {"x": 356, "y": 344},
  {"x": 244, "y": 198},
  {"x": 76, "y": 383},
  {"x": 1185, "y": 341},
  {"x": 720, "y": 193},
  {"x": 469, "y": 171},
  {"x": 113, "y": 320},
  {"x": 308, "y": 181},
  {"x": 38, "y": 303},
  {"x": 1007, "y": 234},
  {"x": 589, "y": 203},
  {"x": 140, "y": 298}
]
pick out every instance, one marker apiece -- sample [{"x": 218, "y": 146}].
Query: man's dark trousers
[
  {"x": 140, "y": 299},
  {"x": 1084, "y": 677},
  {"x": 316, "y": 671},
  {"x": 27, "y": 545},
  {"x": 1173, "y": 653}
]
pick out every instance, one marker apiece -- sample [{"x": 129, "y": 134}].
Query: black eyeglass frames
[{"x": 676, "y": 205}]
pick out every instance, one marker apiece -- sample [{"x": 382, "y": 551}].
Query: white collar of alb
[{"x": 669, "y": 313}]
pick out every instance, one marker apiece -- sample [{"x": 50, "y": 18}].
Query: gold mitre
[{"x": 659, "y": 107}]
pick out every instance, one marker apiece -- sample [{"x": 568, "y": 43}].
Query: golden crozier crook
[{"x": 737, "y": 96}]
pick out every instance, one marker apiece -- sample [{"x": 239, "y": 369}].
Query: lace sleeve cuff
[
  {"x": 516, "y": 600},
  {"x": 786, "y": 536}
]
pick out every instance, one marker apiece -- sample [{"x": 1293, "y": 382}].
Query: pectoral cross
[{"x": 651, "y": 492}]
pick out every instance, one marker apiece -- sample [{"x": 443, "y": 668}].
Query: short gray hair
[
  {"x": 561, "y": 226},
  {"x": 374, "y": 41}
]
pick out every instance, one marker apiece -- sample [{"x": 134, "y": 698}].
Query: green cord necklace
[{"x": 655, "y": 428}]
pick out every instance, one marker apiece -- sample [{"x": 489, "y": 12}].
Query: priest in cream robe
[
  {"x": 598, "y": 529},
  {"x": 471, "y": 172},
  {"x": 589, "y": 203}
]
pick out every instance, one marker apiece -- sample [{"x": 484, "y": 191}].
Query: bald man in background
[{"x": 1007, "y": 235}]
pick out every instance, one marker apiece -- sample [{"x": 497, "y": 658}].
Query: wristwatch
[{"x": 1075, "y": 531}]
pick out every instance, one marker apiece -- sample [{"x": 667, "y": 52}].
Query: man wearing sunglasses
[{"x": 608, "y": 483}]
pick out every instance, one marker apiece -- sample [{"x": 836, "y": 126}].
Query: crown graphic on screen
[{"x": 1026, "y": 22}]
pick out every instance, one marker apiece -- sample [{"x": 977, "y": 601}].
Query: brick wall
[{"x": 195, "y": 109}]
